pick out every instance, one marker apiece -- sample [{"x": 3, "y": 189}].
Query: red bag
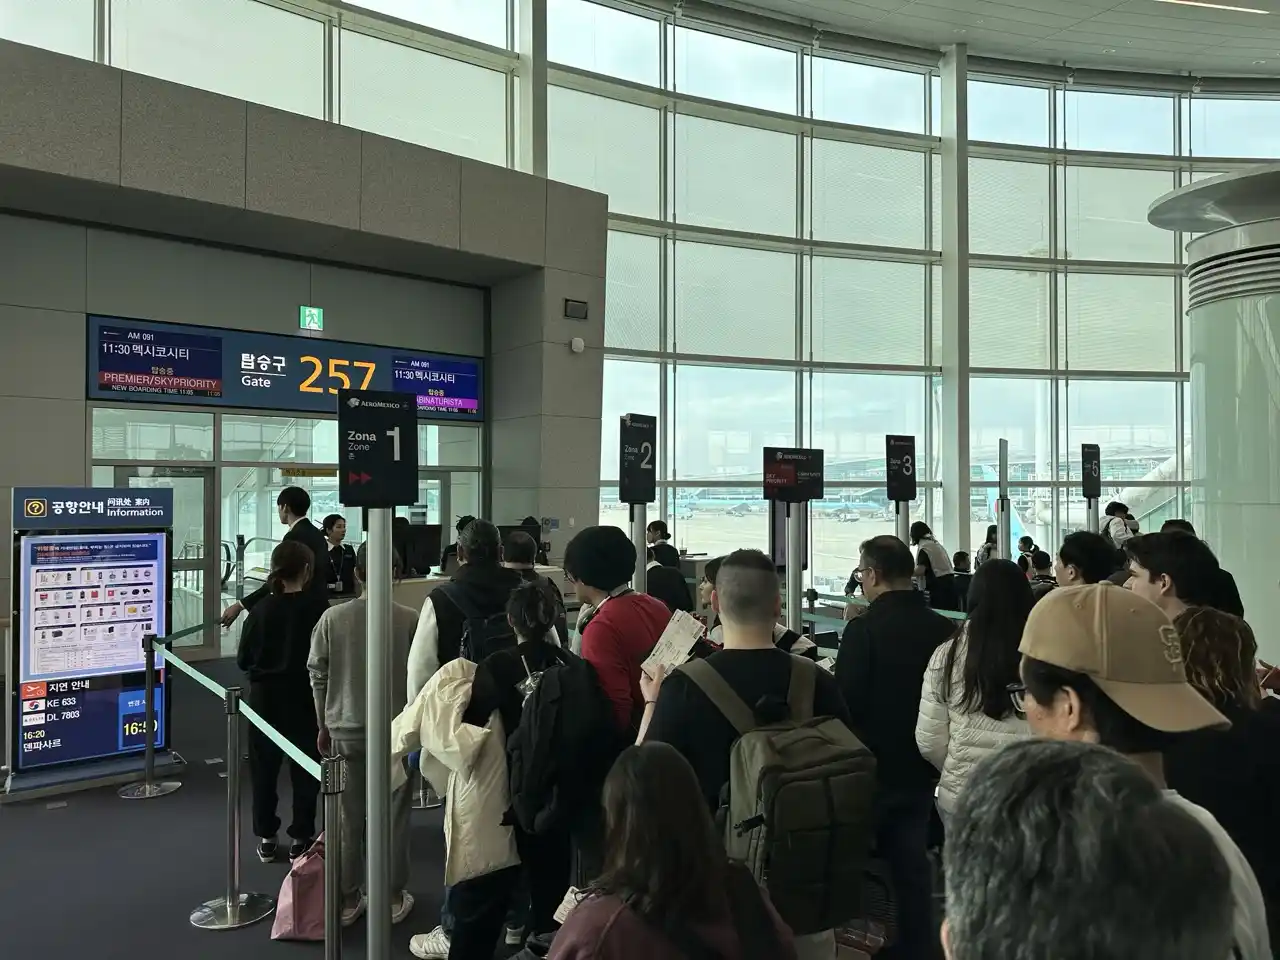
[{"x": 300, "y": 909}]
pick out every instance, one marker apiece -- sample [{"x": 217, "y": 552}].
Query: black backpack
[
  {"x": 558, "y": 755},
  {"x": 482, "y": 634}
]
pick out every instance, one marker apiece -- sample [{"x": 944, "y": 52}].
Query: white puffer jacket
[
  {"x": 466, "y": 765},
  {"x": 953, "y": 741}
]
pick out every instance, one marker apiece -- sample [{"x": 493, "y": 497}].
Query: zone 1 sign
[
  {"x": 377, "y": 448},
  {"x": 637, "y": 448}
]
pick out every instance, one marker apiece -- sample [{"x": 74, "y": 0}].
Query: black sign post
[
  {"x": 900, "y": 468},
  {"x": 1091, "y": 471},
  {"x": 637, "y": 453},
  {"x": 637, "y": 483},
  {"x": 1091, "y": 482},
  {"x": 793, "y": 476},
  {"x": 900, "y": 480},
  {"x": 378, "y": 469},
  {"x": 377, "y": 449}
]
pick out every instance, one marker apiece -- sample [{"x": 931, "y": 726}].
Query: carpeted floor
[{"x": 89, "y": 874}]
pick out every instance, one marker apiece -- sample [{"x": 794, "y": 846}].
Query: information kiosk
[{"x": 91, "y": 578}]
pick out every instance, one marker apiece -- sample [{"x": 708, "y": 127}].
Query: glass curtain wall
[
  {"x": 775, "y": 273},
  {"x": 774, "y": 257}
]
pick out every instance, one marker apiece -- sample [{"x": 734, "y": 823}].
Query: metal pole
[
  {"x": 240, "y": 548},
  {"x": 420, "y": 792},
  {"x": 795, "y": 564},
  {"x": 235, "y": 909},
  {"x": 902, "y": 520},
  {"x": 377, "y": 696},
  {"x": 639, "y": 522},
  {"x": 148, "y": 788},
  {"x": 1091, "y": 520},
  {"x": 1004, "y": 527},
  {"x": 333, "y": 780},
  {"x": 5, "y": 770},
  {"x": 424, "y": 798}
]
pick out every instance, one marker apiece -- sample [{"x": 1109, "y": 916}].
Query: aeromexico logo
[{"x": 354, "y": 402}]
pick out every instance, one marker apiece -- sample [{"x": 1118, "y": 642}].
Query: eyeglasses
[
  {"x": 1018, "y": 694},
  {"x": 859, "y": 573}
]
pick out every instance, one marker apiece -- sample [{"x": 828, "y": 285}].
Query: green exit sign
[{"x": 310, "y": 318}]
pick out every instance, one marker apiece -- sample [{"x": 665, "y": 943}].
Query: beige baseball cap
[{"x": 1127, "y": 646}]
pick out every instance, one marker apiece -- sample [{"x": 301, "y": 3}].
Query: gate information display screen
[
  {"x": 139, "y": 361},
  {"x": 87, "y": 601}
]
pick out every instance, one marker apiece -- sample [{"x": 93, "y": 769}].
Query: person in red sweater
[{"x": 623, "y": 626}]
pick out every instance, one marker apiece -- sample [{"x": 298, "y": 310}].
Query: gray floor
[{"x": 89, "y": 874}]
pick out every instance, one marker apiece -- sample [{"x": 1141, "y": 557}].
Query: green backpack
[{"x": 799, "y": 808}]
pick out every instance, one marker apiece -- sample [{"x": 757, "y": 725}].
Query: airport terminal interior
[{"x": 765, "y": 223}]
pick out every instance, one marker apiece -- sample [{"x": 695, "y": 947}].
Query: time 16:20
[{"x": 337, "y": 374}]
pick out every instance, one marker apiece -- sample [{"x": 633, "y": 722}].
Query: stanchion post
[
  {"x": 424, "y": 797},
  {"x": 902, "y": 521},
  {"x": 148, "y": 788},
  {"x": 235, "y": 909},
  {"x": 420, "y": 793},
  {"x": 1092, "y": 521},
  {"x": 333, "y": 780}
]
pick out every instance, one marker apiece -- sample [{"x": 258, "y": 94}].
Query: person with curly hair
[{"x": 1232, "y": 773}]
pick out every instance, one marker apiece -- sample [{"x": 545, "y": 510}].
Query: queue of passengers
[{"x": 594, "y": 809}]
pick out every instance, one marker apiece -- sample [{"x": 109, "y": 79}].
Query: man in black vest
[{"x": 292, "y": 505}]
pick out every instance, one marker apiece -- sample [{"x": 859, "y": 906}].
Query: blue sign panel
[
  {"x": 97, "y": 508},
  {"x": 84, "y": 602},
  {"x": 135, "y": 360}
]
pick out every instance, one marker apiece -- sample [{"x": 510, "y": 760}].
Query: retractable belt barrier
[{"x": 235, "y": 908}]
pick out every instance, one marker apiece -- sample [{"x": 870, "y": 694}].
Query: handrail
[
  {"x": 863, "y": 602},
  {"x": 290, "y": 750}
]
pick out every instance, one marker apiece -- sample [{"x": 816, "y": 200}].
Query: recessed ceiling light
[
  {"x": 1214, "y": 6},
  {"x": 962, "y": 30},
  {"x": 1258, "y": 63},
  {"x": 1108, "y": 50}
]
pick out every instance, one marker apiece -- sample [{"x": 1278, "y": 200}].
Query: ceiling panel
[
  {"x": 940, "y": 18},
  {"x": 1125, "y": 34}
]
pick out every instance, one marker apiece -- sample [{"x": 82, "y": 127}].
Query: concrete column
[
  {"x": 954, "y": 426},
  {"x": 546, "y": 402},
  {"x": 1233, "y": 295},
  {"x": 531, "y": 91},
  {"x": 545, "y": 397}
]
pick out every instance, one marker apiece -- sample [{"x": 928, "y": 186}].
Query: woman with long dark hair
[
  {"x": 667, "y": 889},
  {"x": 965, "y": 710},
  {"x": 274, "y": 646},
  {"x": 1232, "y": 773},
  {"x": 990, "y": 549}
]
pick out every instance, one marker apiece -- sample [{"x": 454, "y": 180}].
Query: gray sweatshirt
[{"x": 339, "y": 649}]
